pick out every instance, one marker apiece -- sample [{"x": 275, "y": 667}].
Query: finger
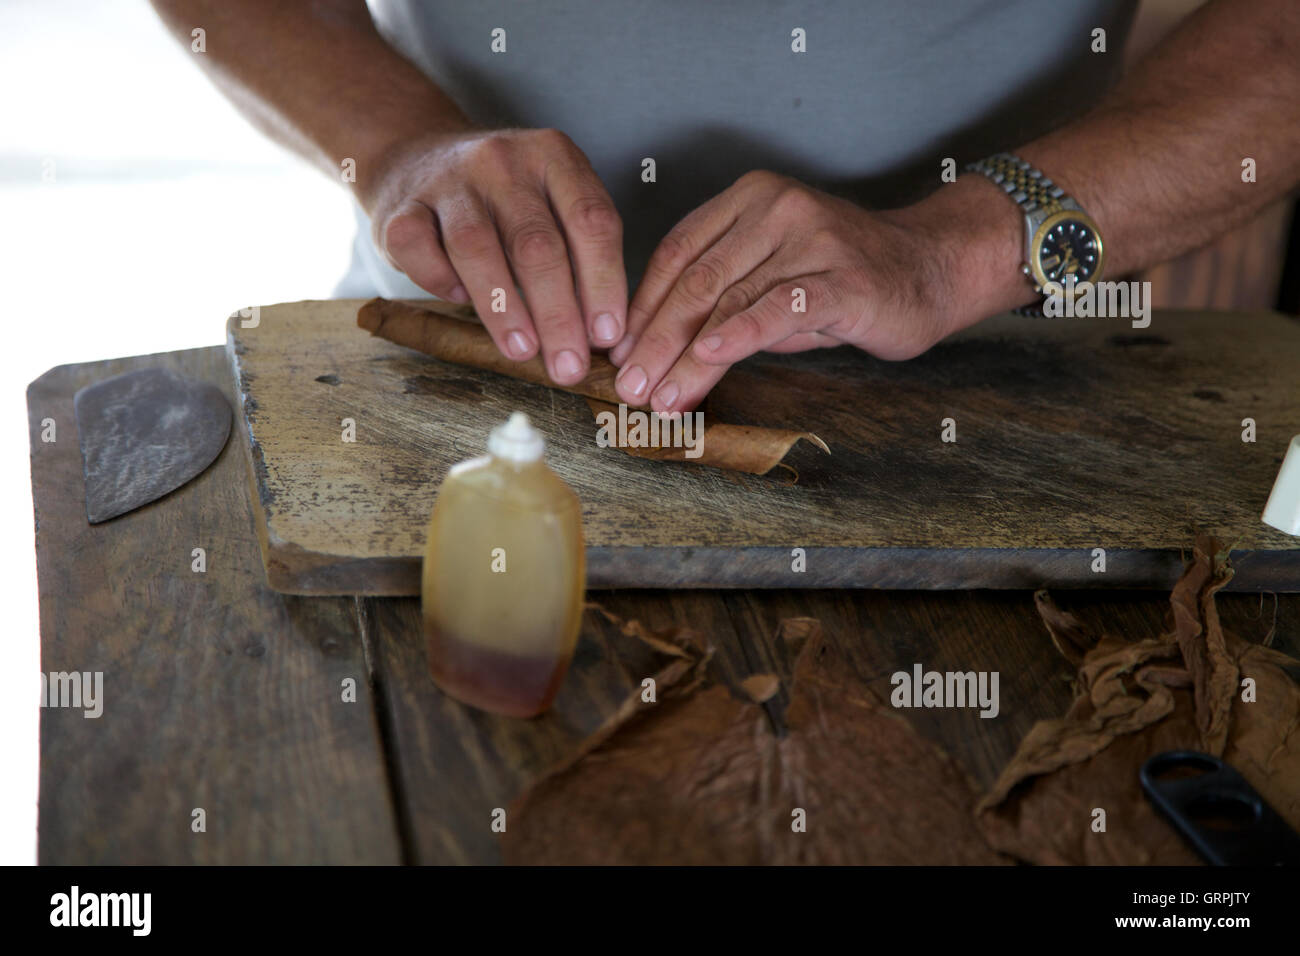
[
  {"x": 594, "y": 234},
  {"x": 689, "y": 304},
  {"x": 409, "y": 238},
  {"x": 688, "y": 380},
  {"x": 539, "y": 258},
  {"x": 769, "y": 321},
  {"x": 803, "y": 341},
  {"x": 683, "y": 244},
  {"x": 474, "y": 248}
]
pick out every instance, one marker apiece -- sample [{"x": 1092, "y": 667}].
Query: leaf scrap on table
[
  {"x": 453, "y": 334},
  {"x": 1137, "y": 699},
  {"x": 699, "y": 777}
]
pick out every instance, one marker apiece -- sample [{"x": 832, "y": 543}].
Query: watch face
[{"x": 1068, "y": 246}]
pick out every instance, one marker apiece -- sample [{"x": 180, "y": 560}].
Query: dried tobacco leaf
[
  {"x": 745, "y": 448},
  {"x": 1180, "y": 691},
  {"x": 1071, "y": 638},
  {"x": 761, "y": 687},
  {"x": 452, "y": 334},
  {"x": 700, "y": 778}
]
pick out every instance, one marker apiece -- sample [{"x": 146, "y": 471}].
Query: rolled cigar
[{"x": 454, "y": 334}]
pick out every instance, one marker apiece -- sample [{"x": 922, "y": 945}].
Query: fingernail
[
  {"x": 567, "y": 364},
  {"x": 618, "y": 354},
  {"x": 665, "y": 395},
  {"x": 517, "y": 344},
  {"x": 605, "y": 327},
  {"x": 633, "y": 380},
  {"x": 459, "y": 295},
  {"x": 711, "y": 342}
]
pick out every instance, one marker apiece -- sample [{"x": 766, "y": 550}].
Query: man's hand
[
  {"x": 465, "y": 214},
  {"x": 732, "y": 277},
  {"x": 1158, "y": 164}
]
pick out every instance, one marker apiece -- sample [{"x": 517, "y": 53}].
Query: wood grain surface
[
  {"x": 455, "y": 766},
  {"x": 1071, "y": 435},
  {"x": 219, "y": 693}
]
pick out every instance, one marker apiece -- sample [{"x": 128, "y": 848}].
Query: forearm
[
  {"x": 316, "y": 77},
  {"x": 1158, "y": 164}
]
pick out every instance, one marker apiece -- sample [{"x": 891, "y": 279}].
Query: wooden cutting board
[{"x": 1071, "y": 435}]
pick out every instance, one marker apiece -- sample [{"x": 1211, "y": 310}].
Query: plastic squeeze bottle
[{"x": 504, "y": 571}]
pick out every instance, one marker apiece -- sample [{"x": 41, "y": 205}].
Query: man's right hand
[{"x": 467, "y": 214}]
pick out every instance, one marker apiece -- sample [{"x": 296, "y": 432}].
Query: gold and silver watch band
[
  {"x": 1030, "y": 189},
  {"x": 1036, "y": 195}
]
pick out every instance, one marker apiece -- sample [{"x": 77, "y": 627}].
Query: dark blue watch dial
[{"x": 1069, "y": 248}]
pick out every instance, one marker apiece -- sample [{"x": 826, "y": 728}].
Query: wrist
[
  {"x": 977, "y": 239},
  {"x": 397, "y": 154}
]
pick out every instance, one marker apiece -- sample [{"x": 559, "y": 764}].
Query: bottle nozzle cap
[{"x": 517, "y": 440}]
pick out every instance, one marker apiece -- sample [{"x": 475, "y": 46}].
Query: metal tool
[
  {"x": 144, "y": 434},
  {"x": 1217, "y": 811}
]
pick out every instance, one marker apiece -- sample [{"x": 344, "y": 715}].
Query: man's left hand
[{"x": 771, "y": 264}]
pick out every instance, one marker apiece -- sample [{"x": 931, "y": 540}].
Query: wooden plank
[
  {"x": 1071, "y": 435},
  {"x": 883, "y": 633},
  {"x": 454, "y": 766},
  {"x": 218, "y": 693}
]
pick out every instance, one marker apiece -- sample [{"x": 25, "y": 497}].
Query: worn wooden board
[
  {"x": 222, "y": 694},
  {"x": 1071, "y": 435},
  {"x": 455, "y": 766},
  {"x": 217, "y": 693}
]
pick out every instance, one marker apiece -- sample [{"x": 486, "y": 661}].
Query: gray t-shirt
[{"x": 710, "y": 90}]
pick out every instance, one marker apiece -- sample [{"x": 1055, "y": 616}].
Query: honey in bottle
[{"x": 504, "y": 571}]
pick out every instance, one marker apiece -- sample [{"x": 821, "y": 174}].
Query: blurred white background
[{"x": 165, "y": 213}]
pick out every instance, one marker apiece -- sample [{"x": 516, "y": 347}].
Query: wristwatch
[{"x": 1060, "y": 238}]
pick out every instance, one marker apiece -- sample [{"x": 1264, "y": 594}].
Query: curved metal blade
[{"x": 144, "y": 434}]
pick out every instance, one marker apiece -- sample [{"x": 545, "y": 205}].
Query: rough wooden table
[
  {"x": 224, "y": 696},
  {"x": 1074, "y": 435}
]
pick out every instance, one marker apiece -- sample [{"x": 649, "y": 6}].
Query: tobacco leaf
[
  {"x": 698, "y": 777},
  {"x": 453, "y": 334},
  {"x": 746, "y": 448},
  {"x": 761, "y": 687},
  {"x": 1069, "y": 635},
  {"x": 674, "y": 643},
  {"x": 1137, "y": 699}
]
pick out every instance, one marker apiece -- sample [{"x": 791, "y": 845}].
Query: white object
[
  {"x": 1283, "y": 508},
  {"x": 518, "y": 441}
]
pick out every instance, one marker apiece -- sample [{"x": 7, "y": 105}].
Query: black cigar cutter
[{"x": 1217, "y": 811}]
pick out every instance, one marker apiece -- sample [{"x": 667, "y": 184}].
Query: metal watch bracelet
[{"x": 1027, "y": 187}]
